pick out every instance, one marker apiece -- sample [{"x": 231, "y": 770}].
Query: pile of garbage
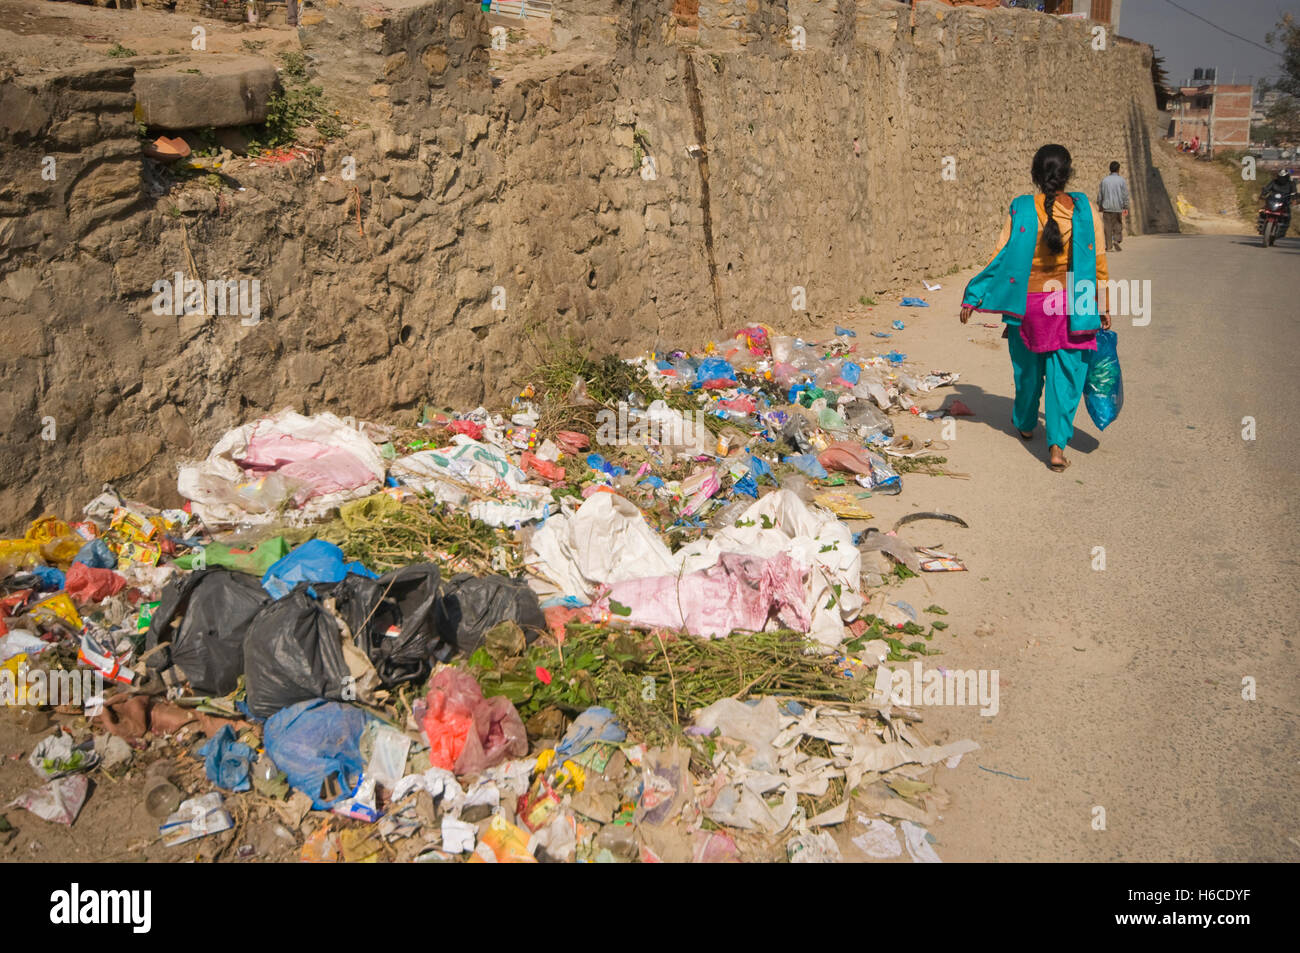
[{"x": 622, "y": 621}]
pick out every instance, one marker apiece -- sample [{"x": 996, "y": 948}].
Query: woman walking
[{"x": 1046, "y": 281}]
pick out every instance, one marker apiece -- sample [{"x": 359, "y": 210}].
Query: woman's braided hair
[{"x": 1051, "y": 172}]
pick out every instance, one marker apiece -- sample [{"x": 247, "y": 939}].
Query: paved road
[{"x": 1122, "y": 689}]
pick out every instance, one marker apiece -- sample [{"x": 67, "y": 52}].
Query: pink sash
[{"x": 1046, "y": 325}]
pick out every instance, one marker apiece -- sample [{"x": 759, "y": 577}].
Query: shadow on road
[
  {"x": 1289, "y": 245},
  {"x": 994, "y": 410}
]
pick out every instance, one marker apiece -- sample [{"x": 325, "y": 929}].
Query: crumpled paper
[{"x": 771, "y": 762}]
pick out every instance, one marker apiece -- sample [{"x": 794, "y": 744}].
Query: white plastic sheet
[
  {"x": 453, "y": 474},
  {"x": 310, "y": 463},
  {"x": 608, "y": 541}
]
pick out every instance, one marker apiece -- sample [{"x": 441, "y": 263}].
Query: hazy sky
[{"x": 1186, "y": 42}]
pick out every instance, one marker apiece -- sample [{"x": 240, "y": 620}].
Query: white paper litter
[
  {"x": 879, "y": 839},
  {"x": 918, "y": 848},
  {"x": 458, "y": 836}
]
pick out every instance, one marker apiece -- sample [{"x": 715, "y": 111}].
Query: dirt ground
[
  {"x": 53, "y": 36},
  {"x": 1206, "y": 198}
]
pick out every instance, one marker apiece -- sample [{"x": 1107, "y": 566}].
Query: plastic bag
[
  {"x": 92, "y": 585},
  {"x": 313, "y": 561},
  {"x": 255, "y": 561},
  {"x": 470, "y": 606},
  {"x": 393, "y": 618},
  {"x": 317, "y": 744},
  {"x": 216, "y": 607},
  {"x": 293, "y": 651},
  {"x": 96, "y": 555},
  {"x": 1103, "y": 390},
  {"x": 868, "y": 419},
  {"x": 714, "y": 368},
  {"x": 468, "y": 733},
  {"x": 227, "y": 762}
]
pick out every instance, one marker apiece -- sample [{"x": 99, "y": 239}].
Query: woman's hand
[
  {"x": 966, "y": 312},
  {"x": 1105, "y": 322}
]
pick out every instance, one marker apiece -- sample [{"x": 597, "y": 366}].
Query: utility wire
[{"x": 1190, "y": 13}]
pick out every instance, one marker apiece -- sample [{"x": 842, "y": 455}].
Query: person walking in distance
[
  {"x": 1047, "y": 281},
  {"x": 1112, "y": 197}
]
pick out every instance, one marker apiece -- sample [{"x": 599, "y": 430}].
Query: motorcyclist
[{"x": 1283, "y": 184}]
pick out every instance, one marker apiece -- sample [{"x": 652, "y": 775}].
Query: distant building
[
  {"x": 1100, "y": 11},
  {"x": 1265, "y": 102},
  {"x": 1215, "y": 113}
]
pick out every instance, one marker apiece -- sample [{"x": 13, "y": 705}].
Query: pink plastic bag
[
  {"x": 469, "y": 733},
  {"x": 738, "y": 592}
]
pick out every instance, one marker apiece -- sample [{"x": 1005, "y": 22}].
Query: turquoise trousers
[{"x": 1063, "y": 371}]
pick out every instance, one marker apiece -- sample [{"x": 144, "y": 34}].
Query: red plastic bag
[
  {"x": 531, "y": 463},
  {"x": 847, "y": 457},
  {"x": 469, "y": 733},
  {"x": 571, "y": 441},
  {"x": 470, "y": 428},
  {"x": 92, "y": 585}
]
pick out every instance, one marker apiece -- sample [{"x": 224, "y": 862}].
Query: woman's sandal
[
  {"x": 1026, "y": 436},
  {"x": 1058, "y": 467}
]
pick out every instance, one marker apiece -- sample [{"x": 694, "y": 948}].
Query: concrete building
[{"x": 1217, "y": 114}]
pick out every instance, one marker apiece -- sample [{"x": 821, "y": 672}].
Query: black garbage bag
[
  {"x": 393, "y": 620},
  {"x": 294, "y": 651},
  {"x": 473, "y": 604},
  {"x": 215, "y": 608}
]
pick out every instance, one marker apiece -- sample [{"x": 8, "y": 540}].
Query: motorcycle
[{"x": 1274, "y": 217}]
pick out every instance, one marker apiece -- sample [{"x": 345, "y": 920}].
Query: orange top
[{"x": 1048, "y": 267}]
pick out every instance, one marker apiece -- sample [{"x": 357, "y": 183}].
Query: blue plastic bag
[
  {"x": 601, "y": 465},
  {"x": 807, "y": 463},
  {"x": 714, "y": 368},
  {"x": 760, "y": 469},
  {"x": 96, "y": 555},
  {"x": 593, "y": 725},
  {"x": 313, "y": 561},
  {"x": 316, "y": 739},
  {"x": 227, "y": 762},
  {"x": 1103, "y": 390},
  {"x": 50, "y": 578},
  {"x": 915, "y": 303},
  {"x": 851, "y": 372}
]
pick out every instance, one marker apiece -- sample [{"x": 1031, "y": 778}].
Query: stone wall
[{"x": 377, "y": 291}]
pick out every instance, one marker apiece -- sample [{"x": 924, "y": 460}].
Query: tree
[
  {"x": 1287, "y": 33},
  {"x": 1160, "y": 79},
  {"x": 1281, "y": 122}
]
